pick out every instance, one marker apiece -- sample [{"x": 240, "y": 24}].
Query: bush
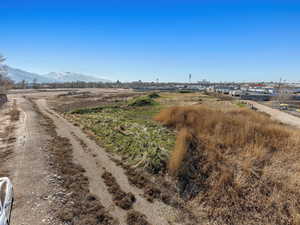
[{"x": 142, "y": 101}]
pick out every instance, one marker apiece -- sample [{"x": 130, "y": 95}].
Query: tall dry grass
[{"x": 241, "y": 165}]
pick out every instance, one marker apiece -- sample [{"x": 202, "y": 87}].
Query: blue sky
[{"x": 133, "y": 40}]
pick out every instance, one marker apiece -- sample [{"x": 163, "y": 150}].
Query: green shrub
[{"x": 142, "y": 101}]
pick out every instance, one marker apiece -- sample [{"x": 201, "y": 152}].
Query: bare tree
[{"x": 5, "y": 82}]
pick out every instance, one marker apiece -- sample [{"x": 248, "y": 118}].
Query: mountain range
[{"x": 18, "y": 75}]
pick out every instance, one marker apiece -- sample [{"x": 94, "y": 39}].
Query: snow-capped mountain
[
  {"x": 18, "y": 75},
  {"x": 71, "y": 77}
]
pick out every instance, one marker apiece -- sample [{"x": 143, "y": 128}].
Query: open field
[{"x": 118, "y": 157}]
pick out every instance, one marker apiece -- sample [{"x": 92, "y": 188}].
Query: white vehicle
[{"x": 6, "y": 200}]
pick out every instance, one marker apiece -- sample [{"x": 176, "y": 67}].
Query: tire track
[{"x": 80, "y": 206}]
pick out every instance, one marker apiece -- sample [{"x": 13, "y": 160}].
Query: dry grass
[
  {"x": 183, "y": 138},
  {"x": 239, "y": 166}
]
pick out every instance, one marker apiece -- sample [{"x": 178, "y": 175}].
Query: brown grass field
[{"x": 236, "y": 166}]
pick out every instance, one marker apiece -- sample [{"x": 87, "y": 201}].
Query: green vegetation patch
[
  {"x": 142, "y": 101},
  {"x": 131, "y": 132},
  {"x": 87, "y": 110},
  {"x": 241, "y": 104}
]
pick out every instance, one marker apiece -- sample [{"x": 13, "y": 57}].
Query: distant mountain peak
[
  {"x": 19, "y": 75},
  {"x": 72, "y": 77}
]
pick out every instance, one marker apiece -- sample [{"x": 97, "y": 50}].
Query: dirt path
[
  {"x": 28, "y": 170},
  {"x": 96, "y": 161},
  {"x": 278, "y": 115}
]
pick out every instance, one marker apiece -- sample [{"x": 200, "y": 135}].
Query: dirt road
[
  {"x": 27, "y": 168},
  {"x": 36, "y": 185},
  {"x": 278, "y": 115}
]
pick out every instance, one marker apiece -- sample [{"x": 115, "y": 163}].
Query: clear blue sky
[{"x": 132, "y": 40}]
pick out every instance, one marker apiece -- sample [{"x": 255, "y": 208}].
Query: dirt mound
[{"x": 233, "y": 164}]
